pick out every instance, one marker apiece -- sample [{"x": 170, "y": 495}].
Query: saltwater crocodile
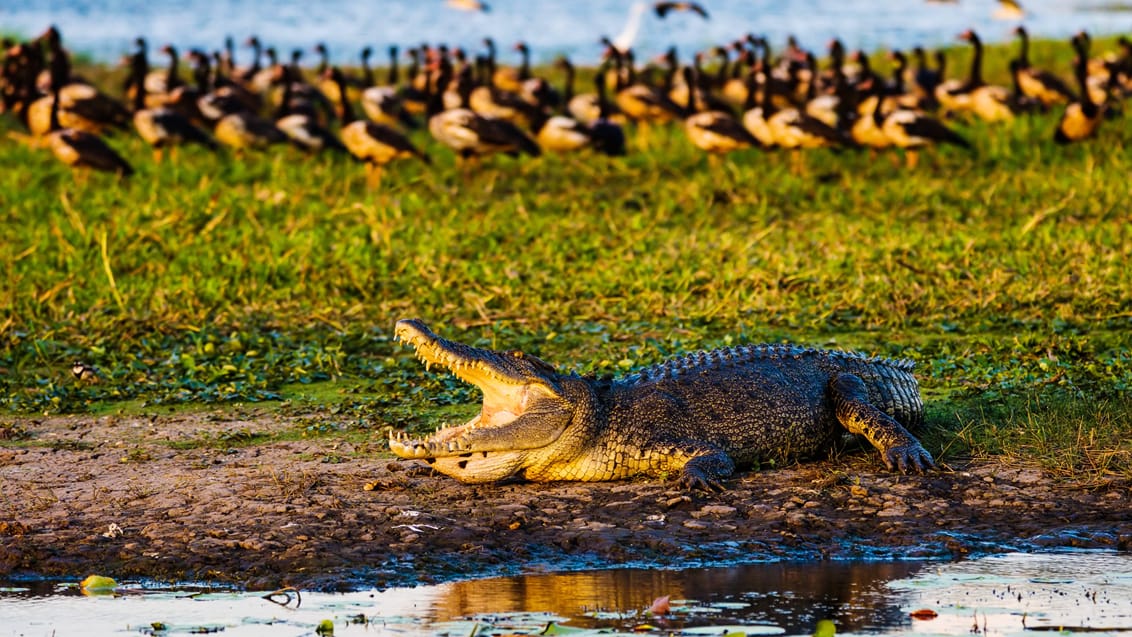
[{"x": 695, "y": 417}]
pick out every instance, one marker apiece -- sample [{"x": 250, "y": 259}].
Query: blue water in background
[{"x": 105, "y": 29}]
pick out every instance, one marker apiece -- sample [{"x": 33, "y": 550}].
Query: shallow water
[
  {"x": 1008, "y": 595},
  {"x": 107, "y": 28}
]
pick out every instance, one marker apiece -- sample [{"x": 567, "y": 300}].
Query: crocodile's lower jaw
[
  {"x": 480, "y": 467},
  {"x": 449, "y": 452}
]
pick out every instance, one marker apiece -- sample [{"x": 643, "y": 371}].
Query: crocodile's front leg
[
  {"x": 898, "y": 448},
  {"x": 705, "y": 470}
]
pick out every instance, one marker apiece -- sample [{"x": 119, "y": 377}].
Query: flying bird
[
  {"x": 663, "y": 8},
  {"x": 623, "y": 41},
  {"x": 1009, "y": 10},
  {"x": 469, "y": 5}
]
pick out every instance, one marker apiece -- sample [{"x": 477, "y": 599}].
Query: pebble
[
  {"x": 671, "y": 502},
  {"x": 718, "y": 510},
  {"x": 799, "y": 519},
  {"x": 619, "y": 503},
  {"x": 1028, "y": 476}
]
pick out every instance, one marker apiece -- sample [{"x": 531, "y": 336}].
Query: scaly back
[{"x": 890, "y": 382}]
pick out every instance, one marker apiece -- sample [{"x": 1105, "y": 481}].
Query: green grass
[{"x": 1003, "y": 273}]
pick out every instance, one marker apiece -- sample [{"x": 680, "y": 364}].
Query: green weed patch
[{"x": 1004, "y": 274}]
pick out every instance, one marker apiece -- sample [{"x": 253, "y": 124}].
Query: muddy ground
[{"x": 120, "y": 496}]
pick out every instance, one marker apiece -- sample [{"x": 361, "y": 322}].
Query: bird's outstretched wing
[
  {"x": 1009, "y": 10},
  {"x": 469, "y": 5},
  {"x": 663, "y": 8}
]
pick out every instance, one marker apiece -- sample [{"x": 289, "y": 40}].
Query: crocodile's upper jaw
[{"x": 468, "y": 451}]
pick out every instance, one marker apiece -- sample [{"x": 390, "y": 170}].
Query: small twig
[
  {"x": 908, "y": 265},
  {"x": 489, "y": 320},
  {"x": 417, "y": 528},
  {"x": 109, "y": 272},
  {"x": 285, "y": 592}
]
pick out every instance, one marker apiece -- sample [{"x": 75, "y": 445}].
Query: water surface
[
  {"x": 106, "y": 28},
  {"x": 1010, "y": 596}
]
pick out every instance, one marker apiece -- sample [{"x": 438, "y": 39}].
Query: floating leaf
[
  {"x": 826, "y": 628},
  {"x": 554, "y": 628},
  {"x": 924, "y": 614},
  {"x": 97, "y": 585}
]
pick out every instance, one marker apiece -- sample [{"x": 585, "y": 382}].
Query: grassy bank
[{"x": 1003, "y": 273}]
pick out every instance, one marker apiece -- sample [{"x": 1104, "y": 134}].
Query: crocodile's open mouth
[
  {"x": 504, "y": 400},
  {"x": 491, "y": 445}
]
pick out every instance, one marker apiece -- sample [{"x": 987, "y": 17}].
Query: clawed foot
[
  {"x": 693, "y": 480},
  {"x": 907, "y": 458}
]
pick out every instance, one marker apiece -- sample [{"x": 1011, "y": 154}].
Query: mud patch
[{"x": 125, "y": 497}]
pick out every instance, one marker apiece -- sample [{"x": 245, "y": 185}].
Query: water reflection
[
  {"x": 856, "y": 597},
  {"x": 791, "y": 596}
]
